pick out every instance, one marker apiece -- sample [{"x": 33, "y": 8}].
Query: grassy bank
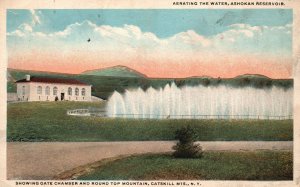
[
  {"x": 267, "y": 165},
  {"x": 47, "y": 121}
]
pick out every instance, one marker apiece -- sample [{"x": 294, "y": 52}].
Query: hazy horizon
[{"x": 195, "y": 76}]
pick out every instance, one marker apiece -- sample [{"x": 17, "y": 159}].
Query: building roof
[{"x": 53, "y": 80}]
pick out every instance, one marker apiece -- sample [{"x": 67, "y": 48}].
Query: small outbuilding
[{"x": 52, "y": 89}]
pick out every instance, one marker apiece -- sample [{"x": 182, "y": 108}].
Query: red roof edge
[{"x": 53, "y": 80}]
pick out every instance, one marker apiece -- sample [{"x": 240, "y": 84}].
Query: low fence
[
  {"x": 102, "y": 113},
  {"x": 154, "y": 116},
  {"x": 86, "y": 112},
  {"x": 79, "y": 112}
]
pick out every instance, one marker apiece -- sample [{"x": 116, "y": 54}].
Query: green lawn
[
  {"x": 262, "y": 165},
  {"x": 47, "y": 121}
]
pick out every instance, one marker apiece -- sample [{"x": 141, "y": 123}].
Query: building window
[
  {"x": 39, "y": 90},
  {"x": 47, "y": 90},
  {"x": 55, "y": 91},
  {"x": 23, "y": 90},
  {"x": 83, "y": 92},
  {"x": 70, "y": 91},
  {"x": 76, "y": 91}
]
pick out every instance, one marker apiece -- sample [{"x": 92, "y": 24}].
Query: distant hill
[
  {"x": 199, "y": 77},
  {"x": 252, "y": 76},
  {"x": 115, "y": 71}
]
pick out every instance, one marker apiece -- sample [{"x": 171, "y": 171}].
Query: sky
[{"x": 157, "y": 43}]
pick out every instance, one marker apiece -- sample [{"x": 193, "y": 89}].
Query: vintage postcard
[{"x": 131, "y": 93}]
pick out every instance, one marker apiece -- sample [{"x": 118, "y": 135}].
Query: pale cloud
[
  {"x": 25, "y": 27},
  {"x": 238, "y": 38},
  {"x": 237, "y": 30},
  {"x": 16, "y": 33},
  {"x": 255, "y": 40},
  {"x": 21, "y": 31},
  {"x": 190, "y": 37},
  {"x": 40, "y": 34}
]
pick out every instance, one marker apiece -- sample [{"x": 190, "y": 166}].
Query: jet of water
[{"x": 202, "y": 102}]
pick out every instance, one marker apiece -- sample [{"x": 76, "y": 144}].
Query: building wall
[
  {"x": 33, "y": 95},
  {"x": 21, "y": 87}
]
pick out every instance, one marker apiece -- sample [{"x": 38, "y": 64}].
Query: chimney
[{"x": 27, "y": 77}]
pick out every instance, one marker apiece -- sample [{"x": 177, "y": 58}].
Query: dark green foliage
[
  {"x": 186, "y": 135},
  {"x": 180, "y": 82},
  {"x": 185, "y": 147},
  {"x": 11, "y": 87},
  {"x": 206, "y": 82},
  {"x": 188, "y": 150},
  {"x": 245, "y": 81}
]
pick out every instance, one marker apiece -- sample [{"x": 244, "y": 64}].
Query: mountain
[
  {"x": 252, "y": 76},
  {"x": 115, "y": 71},
  {"x": 199, "y": 77}
]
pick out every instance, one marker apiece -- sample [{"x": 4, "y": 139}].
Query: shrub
[
  {"x": 185, "y": 147},
  {"x": 206, "y": 82}
]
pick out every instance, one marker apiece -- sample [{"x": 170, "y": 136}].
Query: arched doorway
[{"x": 62, "y": 95}]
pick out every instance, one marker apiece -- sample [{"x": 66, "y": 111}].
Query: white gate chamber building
[{"x": 52, "y": 89}]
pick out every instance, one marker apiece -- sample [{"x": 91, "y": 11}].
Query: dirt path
[{"x": 44, "y": 160}]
